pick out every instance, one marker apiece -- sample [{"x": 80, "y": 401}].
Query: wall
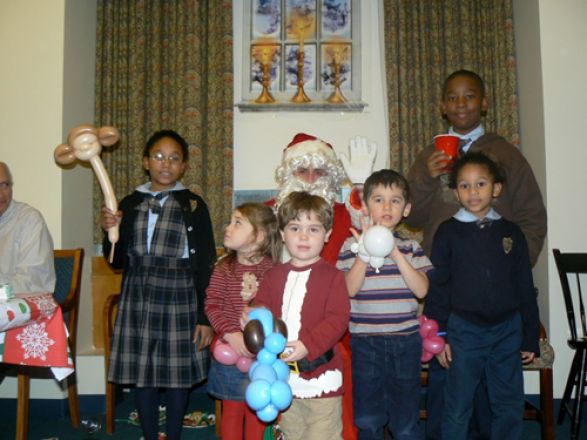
[
  {"x": 552, "y": 66},
  {"x": 47, "y": 87}
]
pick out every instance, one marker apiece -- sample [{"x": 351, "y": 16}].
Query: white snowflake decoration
[
  {"x": 46, "y": 305},
  {"x": 35, "y": 341}
]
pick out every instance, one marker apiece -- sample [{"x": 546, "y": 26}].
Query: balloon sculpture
[
  {"x": 374, "y": 245},
  {"x": 432, "y": 343},
  {"x": 84, "y": 142},
  {"x": 226, "y": 355},
  {"x": 269, "y": 391}
]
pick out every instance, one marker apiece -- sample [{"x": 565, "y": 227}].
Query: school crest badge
[
  {"x": 508, "y": 244},
  {"x": 194, "y": 204}
]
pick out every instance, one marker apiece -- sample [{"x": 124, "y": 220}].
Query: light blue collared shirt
[
  {"x": 146, "y": 189},
  {"x": 472, "y": 136},
  {"x": 465, "y": 216}
]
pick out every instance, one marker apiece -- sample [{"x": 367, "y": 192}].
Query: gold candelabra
[
  {"x": 302, "y": 27},
  {"x": 338, "y": 55},
  {"x": 265, "y": 54}
]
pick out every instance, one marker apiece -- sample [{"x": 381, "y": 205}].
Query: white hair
[{"x": 326, "y": 186}]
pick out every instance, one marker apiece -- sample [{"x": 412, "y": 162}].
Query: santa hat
[{"x": 304, "y": 144}]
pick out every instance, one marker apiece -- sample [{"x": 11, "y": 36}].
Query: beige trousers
[{"x": 313, "y": 419}]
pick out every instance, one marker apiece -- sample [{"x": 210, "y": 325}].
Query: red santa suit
[{"x": 313, "y": 302}]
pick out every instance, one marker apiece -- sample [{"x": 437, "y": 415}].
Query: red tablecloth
[{"x": 32, "y": 332}]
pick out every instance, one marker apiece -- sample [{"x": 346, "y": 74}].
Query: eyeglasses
[
  {"x": 5, "y": 185},
  {"x": 160, "y": 157}
]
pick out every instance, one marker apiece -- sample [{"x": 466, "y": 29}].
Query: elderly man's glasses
[
  {"x": 160, "y": 157},
  {"x": 5, "y": 185}
]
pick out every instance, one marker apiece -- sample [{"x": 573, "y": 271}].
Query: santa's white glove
[
  {"x": 358, "y": 165},
  {"x": 359, "y": 249}
]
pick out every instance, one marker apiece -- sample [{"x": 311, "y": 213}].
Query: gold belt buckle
[{"x": 293, "y": 366}]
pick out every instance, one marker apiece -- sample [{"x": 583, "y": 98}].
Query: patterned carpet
[{"x": 45, "y": 424}]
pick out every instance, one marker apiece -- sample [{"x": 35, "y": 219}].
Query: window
[{"x": 326, "y": 31}]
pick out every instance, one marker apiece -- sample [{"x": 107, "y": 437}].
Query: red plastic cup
[{"x": 449, "y": 144}]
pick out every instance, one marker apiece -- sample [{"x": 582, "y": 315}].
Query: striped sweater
[
  {"x": 232, "y": 286},
  {"x": 384, "y": 304}
]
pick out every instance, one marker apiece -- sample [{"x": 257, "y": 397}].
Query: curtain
[
  {"x": 167, "y": 64},
  {"x": 425, "y": 41}
]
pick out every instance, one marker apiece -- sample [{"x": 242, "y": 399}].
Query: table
[{"x": 33, "y": 333}]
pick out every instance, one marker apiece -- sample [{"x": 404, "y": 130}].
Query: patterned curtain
[
  {"x": 426, "y": 40},
  {"x": 167, "y": 64}
]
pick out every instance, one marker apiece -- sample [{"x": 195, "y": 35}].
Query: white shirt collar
[
  {"x": 465, "y": 216},
  {"x": 472, "y": 136},
  {"x": 146, "y": 188}
]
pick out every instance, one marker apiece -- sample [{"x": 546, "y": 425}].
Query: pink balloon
[
  {"x": 433, "y": 344},
  {"x": 426, "y": 356},
  {"x": 422, "y": 319},
  {"x": 244, "y": 363},
  {"x": 428, "y": 328},
  {"x": 225, "y": 354}
]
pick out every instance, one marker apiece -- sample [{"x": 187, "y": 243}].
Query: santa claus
[{"x": 311, "y": 164}]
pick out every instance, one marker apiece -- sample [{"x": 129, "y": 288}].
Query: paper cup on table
[{"x": 449, "y": 144}]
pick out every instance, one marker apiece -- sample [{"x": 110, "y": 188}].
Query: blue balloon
[
  {"x": 254, "y": 365},
  {"x": 267, "y": 414},
  {"x": 275, "y": 343},
  {"x": 281, "y": 369},
  {"x": 258, "y": 394},
  {"x": 266, "y": 318},
  {"x": 264, "y": 372},
  {"x": 281, "y": 395},
  {"x": 266, "y": 357}
]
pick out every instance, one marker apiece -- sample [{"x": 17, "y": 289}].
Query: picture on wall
[
  {"x": 266, "y": 19},
  {"x": 336, "y": 19}
]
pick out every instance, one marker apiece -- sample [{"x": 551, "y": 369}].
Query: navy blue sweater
[{"x": 484, "y": 276}]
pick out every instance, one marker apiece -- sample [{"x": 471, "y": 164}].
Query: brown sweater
[{"x": 520, "y": 200}]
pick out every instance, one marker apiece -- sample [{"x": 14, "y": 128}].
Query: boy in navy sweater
[{"x": 482, "y": 293}]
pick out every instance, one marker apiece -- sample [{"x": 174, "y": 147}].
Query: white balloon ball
[{"x": 378, "y": 241}]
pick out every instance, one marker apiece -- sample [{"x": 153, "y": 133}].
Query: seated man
[{"x": 26, "y": 246}]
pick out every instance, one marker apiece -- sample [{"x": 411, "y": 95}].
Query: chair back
[
  {"x": 572, "y": 268},
  {"x": 68, "y": 273}
]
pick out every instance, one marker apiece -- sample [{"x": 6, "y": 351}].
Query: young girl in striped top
[{"x": 253, "y": 246}]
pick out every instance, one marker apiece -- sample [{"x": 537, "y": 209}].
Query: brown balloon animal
[
  {"x": 85, "y": 142},
  {"x": 254, "y": 336}
]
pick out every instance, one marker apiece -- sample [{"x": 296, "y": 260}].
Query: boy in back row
[
  {"x": 464, "y": 102},
  {"x": 385, "y": 341}
]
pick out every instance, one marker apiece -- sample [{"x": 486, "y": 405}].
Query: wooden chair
[
  {"x": 68, "y": 272},
  {"x": 572, "y": 267},
  {"x": 543, "y": 365}
]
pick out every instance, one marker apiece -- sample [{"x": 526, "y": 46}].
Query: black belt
[{"x": 304, "y": 365}]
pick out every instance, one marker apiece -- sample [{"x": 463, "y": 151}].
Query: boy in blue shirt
[
  {"x": 483, "y": 294},
  {"x": 385, "y": 342}
]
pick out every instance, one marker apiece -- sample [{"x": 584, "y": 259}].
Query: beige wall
[
  {"x": 47, "y": 87},
  {"x": 563, "y": 33}
]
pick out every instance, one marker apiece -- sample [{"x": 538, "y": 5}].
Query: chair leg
[
  {"x": 579, "y": 397},
  {"x": 218, "y": 411},
  {"x": 22, "y": 412},
  {"x": 546, "y": 404},
  {"x": 571, "y": 380},
  {"x": 73, "y": 400},
  {"x": 110, "y": 406}
]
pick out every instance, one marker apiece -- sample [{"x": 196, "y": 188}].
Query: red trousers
[{"x": 239, "y": 419}]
